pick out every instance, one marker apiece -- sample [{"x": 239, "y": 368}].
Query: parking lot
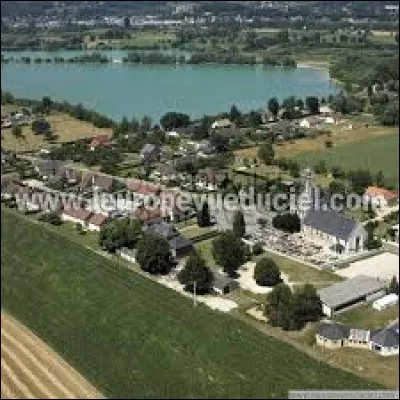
[{"x": 382, "y": 266}]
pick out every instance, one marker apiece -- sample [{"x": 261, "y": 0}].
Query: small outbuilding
[
  {"x": 222, "y": 284},
  {"x": 332, "y": 335},
  {"x": 385, "y": 302}
]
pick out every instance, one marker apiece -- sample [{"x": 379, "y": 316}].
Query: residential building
[
  {"x": 386, "y": 341},
  {"x": 380, "y": 197},
  {"x": 47, "y": 169},
  {"x": 150, "y": 153},
  {"x": 382, "y": 341},
  {"x": 96, "y": 221},
  {"x": 103, "y": 182},
  {"x": 210, "y": 179},
  {"x": 76, "y": 215},
  {"x": 99, "y": 141},
  {"x": 222, "y": 123},
  {"x": 350, "y": 293},
  {"x": 222, "y": 284}
]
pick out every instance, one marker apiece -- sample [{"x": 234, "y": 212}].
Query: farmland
[
  {"x": 30, "y": 369},
  {"x": 375, "y": 154},
  {"x": 132, "y": 337}
]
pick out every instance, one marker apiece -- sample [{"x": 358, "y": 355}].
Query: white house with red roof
[{"x": 380, "y": 197}]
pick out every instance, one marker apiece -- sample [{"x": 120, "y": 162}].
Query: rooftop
[
  {"x": 331, "y": 222},
  {"x": 374, "y": 191},
  {"x": 333, "y": 331},
  {"x": 349, "y": 290}
]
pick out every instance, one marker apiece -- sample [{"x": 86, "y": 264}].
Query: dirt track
[{"x": 30, "y": 369}]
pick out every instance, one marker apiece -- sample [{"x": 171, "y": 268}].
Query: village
[{"x": 360, "y": 265}]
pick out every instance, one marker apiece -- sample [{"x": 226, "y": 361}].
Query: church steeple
[{"x": 307, "y": 196}]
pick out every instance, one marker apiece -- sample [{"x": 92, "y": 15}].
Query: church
[{"x": 327, "y": 227}]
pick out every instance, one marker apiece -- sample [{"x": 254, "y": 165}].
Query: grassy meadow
[{"x": 132, "y": 337}]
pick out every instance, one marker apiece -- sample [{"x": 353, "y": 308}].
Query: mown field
[
  {"x": 64, "y": 127},
  {"x": 132, "y": 337},
  {"x": 375, "y": 154}
]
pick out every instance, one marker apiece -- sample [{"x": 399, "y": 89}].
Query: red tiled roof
[
  {"x": 144, "y": 215},
  {"x": 98, "y": 219},
  {"x": 103, "y": 140},
  {"x": 78, "y": 213},
  {"x": 374, "y": 191}
]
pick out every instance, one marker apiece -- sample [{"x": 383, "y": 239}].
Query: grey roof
[
  {"x": 149, "y": 148},
  {"x": 333, "y": 331},
  {"x": 387, "y": 337},
  {"x": 349, "y": 290},
  {"x": 161, "y": 228},
  {"x": 221, "y": 281},
  {"x": 47, "y": 167},
  {"x": 178, "y": 242},
  {"x": 330, "y": 222}
]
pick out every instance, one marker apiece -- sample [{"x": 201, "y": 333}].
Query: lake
[{"x": 118, "y": 89}]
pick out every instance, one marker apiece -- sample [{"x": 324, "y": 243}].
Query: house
[
  {"x": 349, "y": 293},
  {"x": 329, "y": 120},
  {"x": 127, "y": 254},
  {"x": 210, "y": 179},
  {"x": 103, "y": 182},
  {"x": 86, "y": 181},
  {"x": 334, "y": 230},
  {"x": 205, "y": 148},
  {"x": 222, "y": 284},
  {"x": 222, "y": 123},
  {"x": 304, "y": 123},
  {"x": 96, "y": 221},
  {"x": 325, "y": 111},
  {"x": 47, "y": 169},
  {"x": 380, "y": 197},
  {"x": 146, "y": 215},
  {"x": 179, "y": 245},
  {"x": 69, "y": 175},
  {"x": 165, "y": 173},
  {"x": 386, "y": 341},
  {"x": 8, "y": 188},
  {"x": 385, "y": 302},
  {"x": 150, "y": 152},
  {"x": 76, "y": 215},
  {"x": 99, "y": 141},
  {"x": 332, "y": 335},
  {"x": 382, "y": 341}
]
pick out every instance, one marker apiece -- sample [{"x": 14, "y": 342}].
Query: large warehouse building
[{"x": 343, "y": 295}]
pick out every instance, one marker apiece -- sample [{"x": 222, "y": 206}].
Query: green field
[
  {"x": 132, "y": 337},
  {"x": 375, "y": 154}
]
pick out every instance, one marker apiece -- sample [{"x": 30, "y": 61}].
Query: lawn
[
  {"x": 63, "y": 126},
  {"x": 301, "y": 273},
  {"x": 374, "y": 154},
  {"x": 365, "y": 317},
  {"x": 192, "y": 231},
  {"x": 132, "y": 337}
]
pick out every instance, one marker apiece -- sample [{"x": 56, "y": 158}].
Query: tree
[
  {"x": 127, "y": 23},
  {"x": 119, "y": 233},
  {"x": 360, "y": 180},
  {"x": 47, "y": 103},
  {"x": 287, "y": 222},
  {"x": 153, "y": 254},
  {"x": 266, "y": 273},
  {"x": 300, "y": 104},
  {"x": 239, "y": 225},
  {"x": 203, "y": 216},
  {"x": 196, "y": 271},
  {"x": 173, "y": 120},
  {"x": 145, "y": 124},
  {"x": 273, "y": 106},
  {"x": 394, "y": 285},
  {"x": 266, "y": 152},
  {"x": 52, "y": 218},
  {"x": 40, "y": 127},
  {"x": 312, "y": 103},
  {"x": 228, "y": 252},
  {"x": 234, "y": 114},
  {"x": 16, "y": 131},
  {"x": 278, "y": 306},
  {"x": 307, "y": 306}
]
